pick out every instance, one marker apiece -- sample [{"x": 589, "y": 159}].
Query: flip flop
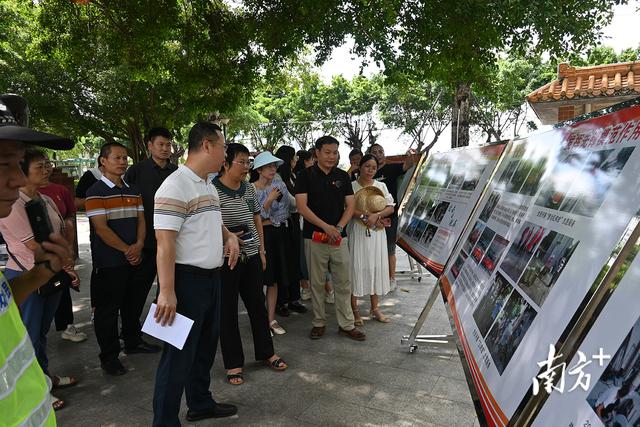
[
  {"x": 235, "y": 379},
  {"x": 277, "y": 364},
  {"x": 62, "y": 382}
]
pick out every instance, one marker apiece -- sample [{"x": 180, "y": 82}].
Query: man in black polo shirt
[
  {"x": 116, "y": 213},
  {"x": 325, "y": 199},
  {"x": 390, "y": 173},
  {"x": 147, "y": 176}
]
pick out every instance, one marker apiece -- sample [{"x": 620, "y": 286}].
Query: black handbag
[{"x": 55, "y": 284}]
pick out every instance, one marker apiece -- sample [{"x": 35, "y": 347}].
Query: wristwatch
[
  {"x": 363, "y": 217},
  {"x": 340, "y": 229}
]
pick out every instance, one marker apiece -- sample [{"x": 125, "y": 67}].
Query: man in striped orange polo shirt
[{"x": 116, "y": 213}]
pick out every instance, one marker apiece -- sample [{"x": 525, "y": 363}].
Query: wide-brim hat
[
  {"x": 14, "y": 122},
  {"x": 266, "y": 158},
  {"x": 370, "y": 199}
]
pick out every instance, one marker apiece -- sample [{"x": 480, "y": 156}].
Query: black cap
[{"x": 14, "y": 122}]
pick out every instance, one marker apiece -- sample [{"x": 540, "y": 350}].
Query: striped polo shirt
[
  {"x": 190, "y": 205},
  {"x": 120, "y": 205}
]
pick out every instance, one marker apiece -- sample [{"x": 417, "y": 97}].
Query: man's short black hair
[
  {"x": 105, "y": 150},
  {"x": 325, "y": 140},
  {"x": 201, "y": 131},
  {"x": 158, "y": 131},
  {"x": 355, "y": 152}
]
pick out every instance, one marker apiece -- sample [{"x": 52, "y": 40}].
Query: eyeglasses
[{"x": 244, "y": 163}]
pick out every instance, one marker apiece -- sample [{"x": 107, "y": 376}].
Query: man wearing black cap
[{"x": 25, "y": 396}]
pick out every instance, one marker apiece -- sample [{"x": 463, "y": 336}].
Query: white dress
[{"x": 369, "y": 258}]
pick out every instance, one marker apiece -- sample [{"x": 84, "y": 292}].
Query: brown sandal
[
  {"x": 276, "y": 364},
  {"x": 357, "y": 319},
  {"x": 379, "y": 316},
  {"x": 316, "y": 332},
  {"x": 354, "y": 334},
  {"x": 57, "y": 404}
]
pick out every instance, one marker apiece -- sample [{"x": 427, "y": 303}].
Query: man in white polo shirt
[{"x": 190, "y": 235}]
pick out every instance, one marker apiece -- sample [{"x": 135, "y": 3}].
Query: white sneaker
[
  {"x": 72, "y": 334},
  {"x": 276, "y": 328},
  {"x": 305, "y": 294},
  {"x": 330, "y": 298}
]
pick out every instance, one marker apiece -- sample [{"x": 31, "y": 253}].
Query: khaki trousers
[{"x": 322, "y": 258}]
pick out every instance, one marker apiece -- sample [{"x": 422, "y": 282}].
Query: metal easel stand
[
  {"x": 414, "y": 272},
  {"x": 433, "y": 341}
]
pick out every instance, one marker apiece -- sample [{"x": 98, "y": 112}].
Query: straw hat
[{"x": 370, "y": 199}]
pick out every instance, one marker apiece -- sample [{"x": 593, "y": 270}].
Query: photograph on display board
[
  {"x": 457, "y": 265},
  {"x": 438, "y": 212},
  {"x": 428, "y": 235},
  {"x": 456, "y": 181},
  {"x": 508, "y": 329},
  {"x": 545, "y": 267},
  {"x": 616, "y": 396},
  {"x": 473, "y": 237},
  {"x": 472, "y": 177},
  {"x": 581, "y": 179},
  {"x": 493, "y": 254},
  {"x": 522, "y": 250},
  {"x": 483, "y": 243},
  {"x": 492, "y": 202},
  {"x": 491, "y": 303},
  {"x": 420, "y": 229}
]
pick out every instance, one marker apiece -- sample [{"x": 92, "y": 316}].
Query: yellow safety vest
[{"x": 24, "y": 389}]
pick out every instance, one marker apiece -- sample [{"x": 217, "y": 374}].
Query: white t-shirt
[{"x": 190, "y": 205}]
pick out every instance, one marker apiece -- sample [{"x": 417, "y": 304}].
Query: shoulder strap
[{"x": 14, "y": 258}]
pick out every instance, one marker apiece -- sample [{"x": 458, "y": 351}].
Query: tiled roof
[{"x": 588, "y": 82}]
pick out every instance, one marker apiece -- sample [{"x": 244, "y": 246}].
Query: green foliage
[{"x": 417, "y": 108}]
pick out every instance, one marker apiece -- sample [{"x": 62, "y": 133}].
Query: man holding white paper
[{"x": 190, "y": 235}]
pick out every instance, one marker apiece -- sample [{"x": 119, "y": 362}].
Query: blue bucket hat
[{"x": 266, "y": 158}]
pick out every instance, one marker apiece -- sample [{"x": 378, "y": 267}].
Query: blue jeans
[
  {"x": 189, "y": 369},
  {"x": 37, "y": 314}
]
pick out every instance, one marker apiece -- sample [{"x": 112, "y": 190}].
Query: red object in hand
[{"x": 320, "y": 237}]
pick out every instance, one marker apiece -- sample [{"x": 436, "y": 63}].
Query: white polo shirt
[{"x": 190, "y": 205}]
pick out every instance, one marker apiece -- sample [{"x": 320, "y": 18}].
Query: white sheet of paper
[{"x": 176, "y": 334}]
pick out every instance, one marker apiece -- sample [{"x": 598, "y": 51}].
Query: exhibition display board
[
  {"x": 446, "y": 188},
  {"x": 552, "y": 214},
  {"x": 607, "y": 392}
]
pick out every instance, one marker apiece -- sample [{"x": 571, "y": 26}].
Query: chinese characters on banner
[
  {"x": 555, "y": 209},
  {"x": 447, "y": 187}
]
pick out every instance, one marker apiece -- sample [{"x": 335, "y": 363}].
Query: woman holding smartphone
[
  {"x": 37, "y": 310},
  {"x": 273, "y": 198},
  {"x": 241, "y": 215}
]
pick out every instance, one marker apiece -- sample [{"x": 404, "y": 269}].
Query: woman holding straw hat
[{"x": 368, "y": 241}]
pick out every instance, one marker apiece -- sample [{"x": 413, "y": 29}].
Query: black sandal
[
  {"x": 277, "y": 365},
  {"x": 235, "y": 379}
]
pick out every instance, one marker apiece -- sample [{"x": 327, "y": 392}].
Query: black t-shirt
[
  {"x": 147, "y": 176},
  {"x": 86, "y": 181},
  {"x": 325, "y": 195},
  {"x": 389, "y": 174}
]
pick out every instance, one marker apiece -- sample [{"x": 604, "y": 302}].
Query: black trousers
[
  {"x": 148, "y": 272},
  {"x": 293, "y": 248},
  {"x": 244, "y": 280},
  {"x": 64, "y": 313},
  {"x": 117, "y": 290},
  {"x": 189, "y": 370},
  {"x": 275, "y": 241}
]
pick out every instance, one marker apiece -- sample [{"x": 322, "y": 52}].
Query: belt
[{"x": 207, "y": 272}]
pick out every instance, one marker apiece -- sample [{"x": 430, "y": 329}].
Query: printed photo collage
[
  {"x": 519, "y": 274},
  {"x": 424, "y": 211},
  {"x": 615, "y": 398}
]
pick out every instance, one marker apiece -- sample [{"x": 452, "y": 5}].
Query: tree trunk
[
  {"x": 138, "y": 150},
  {"x": 460, "y": 116}
]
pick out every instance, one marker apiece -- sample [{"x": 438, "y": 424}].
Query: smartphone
[
  {"x": 246, "y": 235},
  {"x": 39, "y": 220}
]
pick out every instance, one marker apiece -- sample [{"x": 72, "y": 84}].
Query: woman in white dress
[{"x": 368, "y": 244}]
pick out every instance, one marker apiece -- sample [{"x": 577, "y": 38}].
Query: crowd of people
[{"x": 275, "y": 230}]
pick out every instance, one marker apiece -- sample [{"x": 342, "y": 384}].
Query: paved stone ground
[{"x": 332, "y": 381}]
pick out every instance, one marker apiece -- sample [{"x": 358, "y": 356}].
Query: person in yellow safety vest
[{"x": 24, "y": 389}]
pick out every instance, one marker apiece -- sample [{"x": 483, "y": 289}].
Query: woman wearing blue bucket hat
[{"x": 273, "y": 198}]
